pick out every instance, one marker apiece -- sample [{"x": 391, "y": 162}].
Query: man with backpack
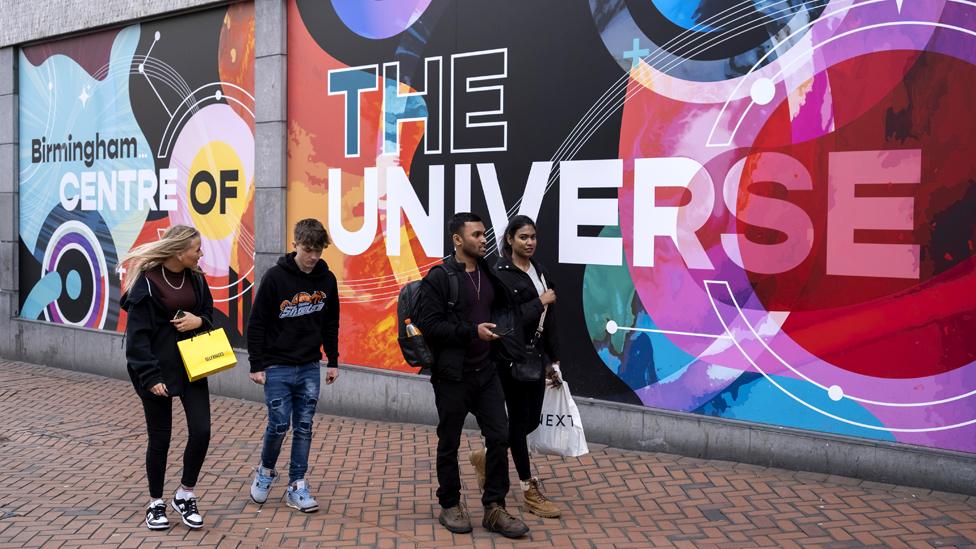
[{"x": 458, "y": 301}]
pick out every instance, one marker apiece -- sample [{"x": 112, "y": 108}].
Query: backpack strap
[
  {"x": 455, "y": 289},
  {"x": 453, "y": 284}
]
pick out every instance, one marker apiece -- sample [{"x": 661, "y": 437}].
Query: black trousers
[
  {"x": 524, "y": 401},
  {"x": 159, "y": 425},
  {"x": 480, "y": 393}
]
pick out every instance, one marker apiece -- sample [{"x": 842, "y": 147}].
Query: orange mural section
[{"x": 368, "y": 282}]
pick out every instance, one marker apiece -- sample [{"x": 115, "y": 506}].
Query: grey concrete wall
[
  {"x": 364, "y": 392},
  {"x": 9, "y": 217},
  {"x": 270, "y": 128},
  {"x": 31, "y": 20}
]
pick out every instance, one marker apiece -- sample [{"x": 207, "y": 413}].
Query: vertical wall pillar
[
  {"x": 270, "y": 91},
  {"x": 9, "y": 217}
]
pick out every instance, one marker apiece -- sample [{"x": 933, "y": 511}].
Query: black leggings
[
  {"x": 159, "y": 424},
  {"x": 524, "y": 402}
]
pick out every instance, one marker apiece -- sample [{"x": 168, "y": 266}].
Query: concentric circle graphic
[{"x": 75, "y": 253}]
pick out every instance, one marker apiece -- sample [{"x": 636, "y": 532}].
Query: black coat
[
  {"x": 151, "y": 353},
  {"x": 447, "y": 332},
  {"x": 524, "y": 296}
]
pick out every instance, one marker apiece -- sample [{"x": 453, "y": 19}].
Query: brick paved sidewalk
[{"x": 72, "y": 474}]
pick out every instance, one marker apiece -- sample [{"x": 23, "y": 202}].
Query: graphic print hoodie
[{"x": 294, "y": 314}]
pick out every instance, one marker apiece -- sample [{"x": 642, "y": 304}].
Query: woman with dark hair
[
  {"x": 167, "y": 299},
  {"x": 530, "y": 289}
]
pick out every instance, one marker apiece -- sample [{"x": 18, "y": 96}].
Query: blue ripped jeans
[{"x": 291, "y": 393}]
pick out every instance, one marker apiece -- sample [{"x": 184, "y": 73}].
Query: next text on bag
[{"x": 556, "y": 420}]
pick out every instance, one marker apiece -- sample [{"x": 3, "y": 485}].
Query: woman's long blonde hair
[{"x": 176, "y": 240}]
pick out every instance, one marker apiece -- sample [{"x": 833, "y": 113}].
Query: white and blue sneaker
[
  {"x": 261, "y": 485},
  {"x": 298, "y": 497}
]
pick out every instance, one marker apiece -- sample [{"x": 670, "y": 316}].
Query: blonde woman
[{"x": 167, "y": 299}]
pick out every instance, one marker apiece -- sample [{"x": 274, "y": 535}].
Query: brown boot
[
  {"x": 477, "y": 459},
  {"x": 455, "y": 519},
  {"x": 538, "y": 504},
  {"x": 498, "y": 520}
]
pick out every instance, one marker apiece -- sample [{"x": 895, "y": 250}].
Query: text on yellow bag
[{"x": 206, "y": 354}]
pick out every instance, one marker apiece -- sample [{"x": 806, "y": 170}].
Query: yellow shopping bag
[{"x": 206, "y": 354}]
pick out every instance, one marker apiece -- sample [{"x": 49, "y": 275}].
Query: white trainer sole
[
  {"x": 305, "y": 510},
  {"x": 157, "y": 527}
]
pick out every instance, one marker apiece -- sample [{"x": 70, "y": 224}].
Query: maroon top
[
  {"x": 477, "y": 294},
  {"x": 175, "y": 290}
]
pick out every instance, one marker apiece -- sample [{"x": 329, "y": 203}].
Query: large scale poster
[
  {"x": 753, "y": 210},
  {"x": 124, "y": 133}
]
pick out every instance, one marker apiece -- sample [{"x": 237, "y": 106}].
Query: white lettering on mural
[
  {"x": 476, "y": 94},
  {"x": 98, "y": 190},
  {"x": 575, "y": 211},
  {"x": 475, "y": 77},
  {"x": 678, "y": 224},
  {"x": 93, "y": 189}
]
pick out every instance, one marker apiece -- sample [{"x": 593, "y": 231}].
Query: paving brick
[{"x": 73, "y": 476}]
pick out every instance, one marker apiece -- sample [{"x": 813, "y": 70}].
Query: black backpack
[{"x": 414, "y": 349}]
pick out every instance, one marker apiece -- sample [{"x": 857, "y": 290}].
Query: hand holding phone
[
  {"x": 499, "y": 332},
  {"x": 184, "y": 321}
]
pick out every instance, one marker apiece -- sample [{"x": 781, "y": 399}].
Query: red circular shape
[{"x": 882, "y": 326}]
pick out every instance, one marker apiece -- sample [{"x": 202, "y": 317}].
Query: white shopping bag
[{"x": 560, "y": 431}]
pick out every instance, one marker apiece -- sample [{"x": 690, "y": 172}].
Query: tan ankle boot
[
  {"x": 538, "y": 504},
  {"x": 477, "y": 459}
]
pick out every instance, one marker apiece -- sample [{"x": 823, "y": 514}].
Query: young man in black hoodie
[
  {"x": 295, "y": 315},
  {"x": 464, "y": 377}
]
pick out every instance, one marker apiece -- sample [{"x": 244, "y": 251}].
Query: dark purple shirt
[
  {"x": 477, "y": 306},
  {"x": 174, "y": 299}
]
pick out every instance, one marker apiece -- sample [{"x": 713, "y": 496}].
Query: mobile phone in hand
[
  {"x": 180, "y": 313},
  {"x": 503, "y": 333}
]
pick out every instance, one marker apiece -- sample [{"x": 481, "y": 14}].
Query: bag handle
[
  {"x": 545, "y": 309},
  {"x": 202, "y": 330}
]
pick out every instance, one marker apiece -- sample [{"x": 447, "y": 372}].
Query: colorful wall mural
[
  {"x": 122, "y": 134},
  {"x": 758, "y": 210}
]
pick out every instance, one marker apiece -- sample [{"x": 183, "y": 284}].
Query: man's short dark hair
[
  {"x": 310, "y": 232},
  {"x": 457, "y": 222}
]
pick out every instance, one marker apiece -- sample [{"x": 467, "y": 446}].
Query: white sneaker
[
  {"x": 156, "y": 516},
  {"x": 187, "y": 508}
]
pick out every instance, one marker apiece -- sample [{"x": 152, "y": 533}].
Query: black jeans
[
  {"x": 479, "y": 393},
  {"x": 159, "y": 424},
  {"x": 524, "y": 401}
]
